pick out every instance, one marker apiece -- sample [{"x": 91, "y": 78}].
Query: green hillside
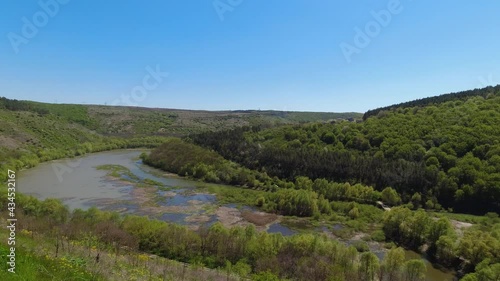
[{"x": 444, "y": 154}]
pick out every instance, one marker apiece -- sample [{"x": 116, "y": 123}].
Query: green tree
[
  {"x": 446, "y": 249},
  {"x": 416, "y": 200},
  {"x": 390, "y": 196},
  {"x": 439, "y": 228},
  {"x": 393, "y": 264},
  {"x": 265, "y": 276},
  {"x": 415, "y": 270},
  {"x": 369, "y": 266}
]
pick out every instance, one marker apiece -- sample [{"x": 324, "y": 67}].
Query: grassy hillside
[
  {"x": 174, "y": 122},
  {"x": 43, "y": 125}
]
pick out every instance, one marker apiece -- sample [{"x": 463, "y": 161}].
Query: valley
[{"x": 407, "y": 190}]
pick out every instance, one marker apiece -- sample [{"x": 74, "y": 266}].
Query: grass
[
  {"x": 33, "y": 265},
  {"x": 233, "y": 195},
  {"x": 462, "y": 217},
  {"x": 119, "y": 171}
]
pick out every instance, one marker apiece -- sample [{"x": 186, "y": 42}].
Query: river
[{"x": 79, "y": 184}]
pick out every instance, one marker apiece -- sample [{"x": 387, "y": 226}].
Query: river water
[{"x": 79, "y": 184}]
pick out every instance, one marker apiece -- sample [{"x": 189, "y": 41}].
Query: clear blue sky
[{"x": 283, "y": 55}]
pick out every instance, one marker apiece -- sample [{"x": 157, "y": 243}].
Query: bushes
[
  {"x": 414, "y": 229},
  {"x": 292, "y": 202},
  {"x": 378, "y": 236}
]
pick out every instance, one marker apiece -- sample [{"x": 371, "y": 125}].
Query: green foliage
[
  {"x": 241, "y": 251},
  {"x": 452, "y": 97},
  {"x": 361, "y": 246},
  {"x": 390, "y": 196},
  {"x": 407, "y": 227},
  {"x": 485, "y": 271},
  {"x": 369, "y": 267},
  {"x": 30, "y": 266},
  {"x": 302, "y": 203},
  {"x": 441, "y": 151},
  {"x": 478, "y": 245},
  {"x": 393, "y": 264},
  {"x": 265, "y": 276},
  {"x": 378, "y": 236},
  {"x": 415, "y": 270}
]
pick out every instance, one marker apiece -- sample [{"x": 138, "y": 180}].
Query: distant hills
[{"x": 34, "y": 126}]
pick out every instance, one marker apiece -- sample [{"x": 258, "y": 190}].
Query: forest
[{"x": 446, "y": 153}]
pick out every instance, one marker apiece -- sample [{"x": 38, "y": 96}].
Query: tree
[
  {"x": 416, "y": 200},
  {"x": 265, "y": 276},
  {"x": 416, "y": 228},
  {"x": 438, "y": 229},
  {"x": 393, "y": 264},
  {"x": 415, "y": 270},
  {"x": 393, "y": 222},
  {"x": 369, "y": 266},
  {"x": 445, "y": 249},
  {"x": 488, "y": 273},
  {"x": 390, "y": 196}
]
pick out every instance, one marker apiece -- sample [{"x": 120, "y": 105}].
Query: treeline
[
  {"x": 244, "y": 251},
  {"x": 448, "y": 154},
  {"x": 333, "y": 170},
  {"x": 464, "y": 95},
  {"x": 72, "y": 113},
  {"x": 300, "y": 197},
  {"x": 478, "y": 248},
  {"x": 16, "y": 105}
]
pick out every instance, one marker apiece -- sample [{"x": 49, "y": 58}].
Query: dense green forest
[
  {"x": 439, "y": 155},
  {"x": 464, "y": 95}
]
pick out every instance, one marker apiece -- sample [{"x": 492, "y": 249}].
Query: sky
[{"x": 322, "y": 55}]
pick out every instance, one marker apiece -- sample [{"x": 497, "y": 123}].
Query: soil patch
[{"x": 259, "y": 218}]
